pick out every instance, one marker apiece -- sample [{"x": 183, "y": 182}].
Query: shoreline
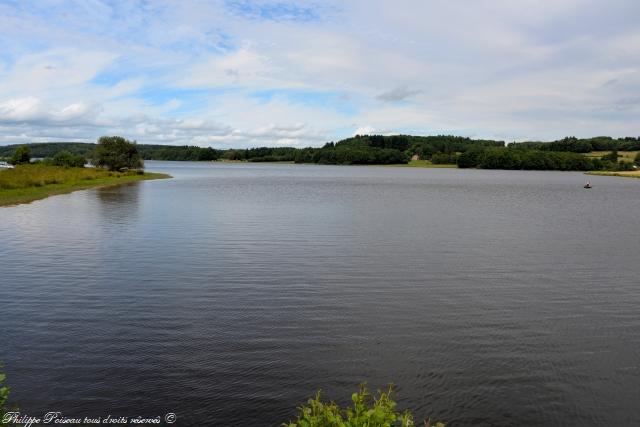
[
  {"x": 411, "y": 164},
  {"x": 25, "y": 195},
  {"x": 423, "y": 164}
]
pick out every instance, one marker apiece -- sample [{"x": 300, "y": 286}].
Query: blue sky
[{"x": 239, "y": 73}]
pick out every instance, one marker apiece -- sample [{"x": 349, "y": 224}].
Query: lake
[{"x": 231, "y": 293}]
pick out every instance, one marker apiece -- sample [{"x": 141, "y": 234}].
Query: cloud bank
[{"x": 250, "y": 73}]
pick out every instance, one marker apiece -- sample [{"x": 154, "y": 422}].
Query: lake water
[{"x": 231, "y": 293}]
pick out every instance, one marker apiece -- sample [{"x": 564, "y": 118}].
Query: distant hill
[{"x": 49, "y": 149}]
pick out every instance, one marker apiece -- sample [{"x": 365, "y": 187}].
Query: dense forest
[
  {"x": 363, "y": 149},
  {"x": 564, "y": 154},
  {"x": 527, "y": 159},
  {"x": 575, "y": 145},
  {"x": 395, "y": 149},
  {"x": 49, "y": 149}
]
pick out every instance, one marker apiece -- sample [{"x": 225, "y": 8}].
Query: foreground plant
[
  {"x": 4, "y": 396},
  {"x": 367, "y": 411}
]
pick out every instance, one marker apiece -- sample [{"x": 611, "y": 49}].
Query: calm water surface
[{"x": 230, "y": 293}]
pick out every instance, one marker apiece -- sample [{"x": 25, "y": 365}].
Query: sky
[{"x": 237, "y": 73}]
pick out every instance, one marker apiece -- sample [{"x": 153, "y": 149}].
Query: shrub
[
  {"x": 4, "y": 396},
  {"x": 625, "y": 166},
  {"x": 612, "y": 156},
  {"x": 367, "y": 411},
  {"x": 68, "y": 160}
]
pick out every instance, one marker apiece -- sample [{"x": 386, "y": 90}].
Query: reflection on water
[
  {"x": 126, "y": 195},
  {"x": 229, "y": 294},
  {"x": 118, "y": 204}
]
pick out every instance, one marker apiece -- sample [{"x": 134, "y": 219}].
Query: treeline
[
  {"x": 345, "y": 155},
  {"x": 50, "y": 149},
  {"x": 426, "y": 145},
  {"x": 521, "y": 157},
  {"x": 564, "y": 154},
  {"x": 586, "y": 145},
  {"x": 147, "y": 151},
  {"x": 260, "y": 154},
  {"x": 361, "y": 149},
  {"x": 365, "y": 149},
  {"x": 179, "y": 153},
  {"x": 394, "y": 149}
]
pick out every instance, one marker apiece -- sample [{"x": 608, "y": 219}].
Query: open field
[
  {"x": 27, "y": 183},
  {"x": 627, "y": 156}
]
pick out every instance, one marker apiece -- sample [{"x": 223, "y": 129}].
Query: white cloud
[
  {"x": 206, "y": 75},
  {"x": 365, "y": 130},
  {"x": 33, "y": 110},
  {"x": 21, "y": 109},
  {"x": 243, "y": 67},
  {"x": 58, "y": 68}
]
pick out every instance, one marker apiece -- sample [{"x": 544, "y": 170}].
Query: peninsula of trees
[{"x": 116, "y": 161}]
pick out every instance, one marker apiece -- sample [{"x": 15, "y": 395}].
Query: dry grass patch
[{"x": 627, "y": 156}]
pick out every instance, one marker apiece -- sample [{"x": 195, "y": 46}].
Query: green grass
[{"x": 27, "y": 183}]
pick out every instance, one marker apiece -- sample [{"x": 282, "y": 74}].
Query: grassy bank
[
  {"x": 627, "y": 174},
  {"x": 27, "y": 183}
]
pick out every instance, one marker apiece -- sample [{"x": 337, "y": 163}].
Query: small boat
[{"x": 588, "y": 185}]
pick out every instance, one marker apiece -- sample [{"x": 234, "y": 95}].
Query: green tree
[
  {"x": 22, "y": 155},
  {"x": 470, "y": 158},
  {"x": 612, "y": 156},
  {"x": 367, "y": 411},
  {"x": 624, "y": 166},
  {"x": 4, "y": 397},
  {"x": 117, "y": 153}
]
